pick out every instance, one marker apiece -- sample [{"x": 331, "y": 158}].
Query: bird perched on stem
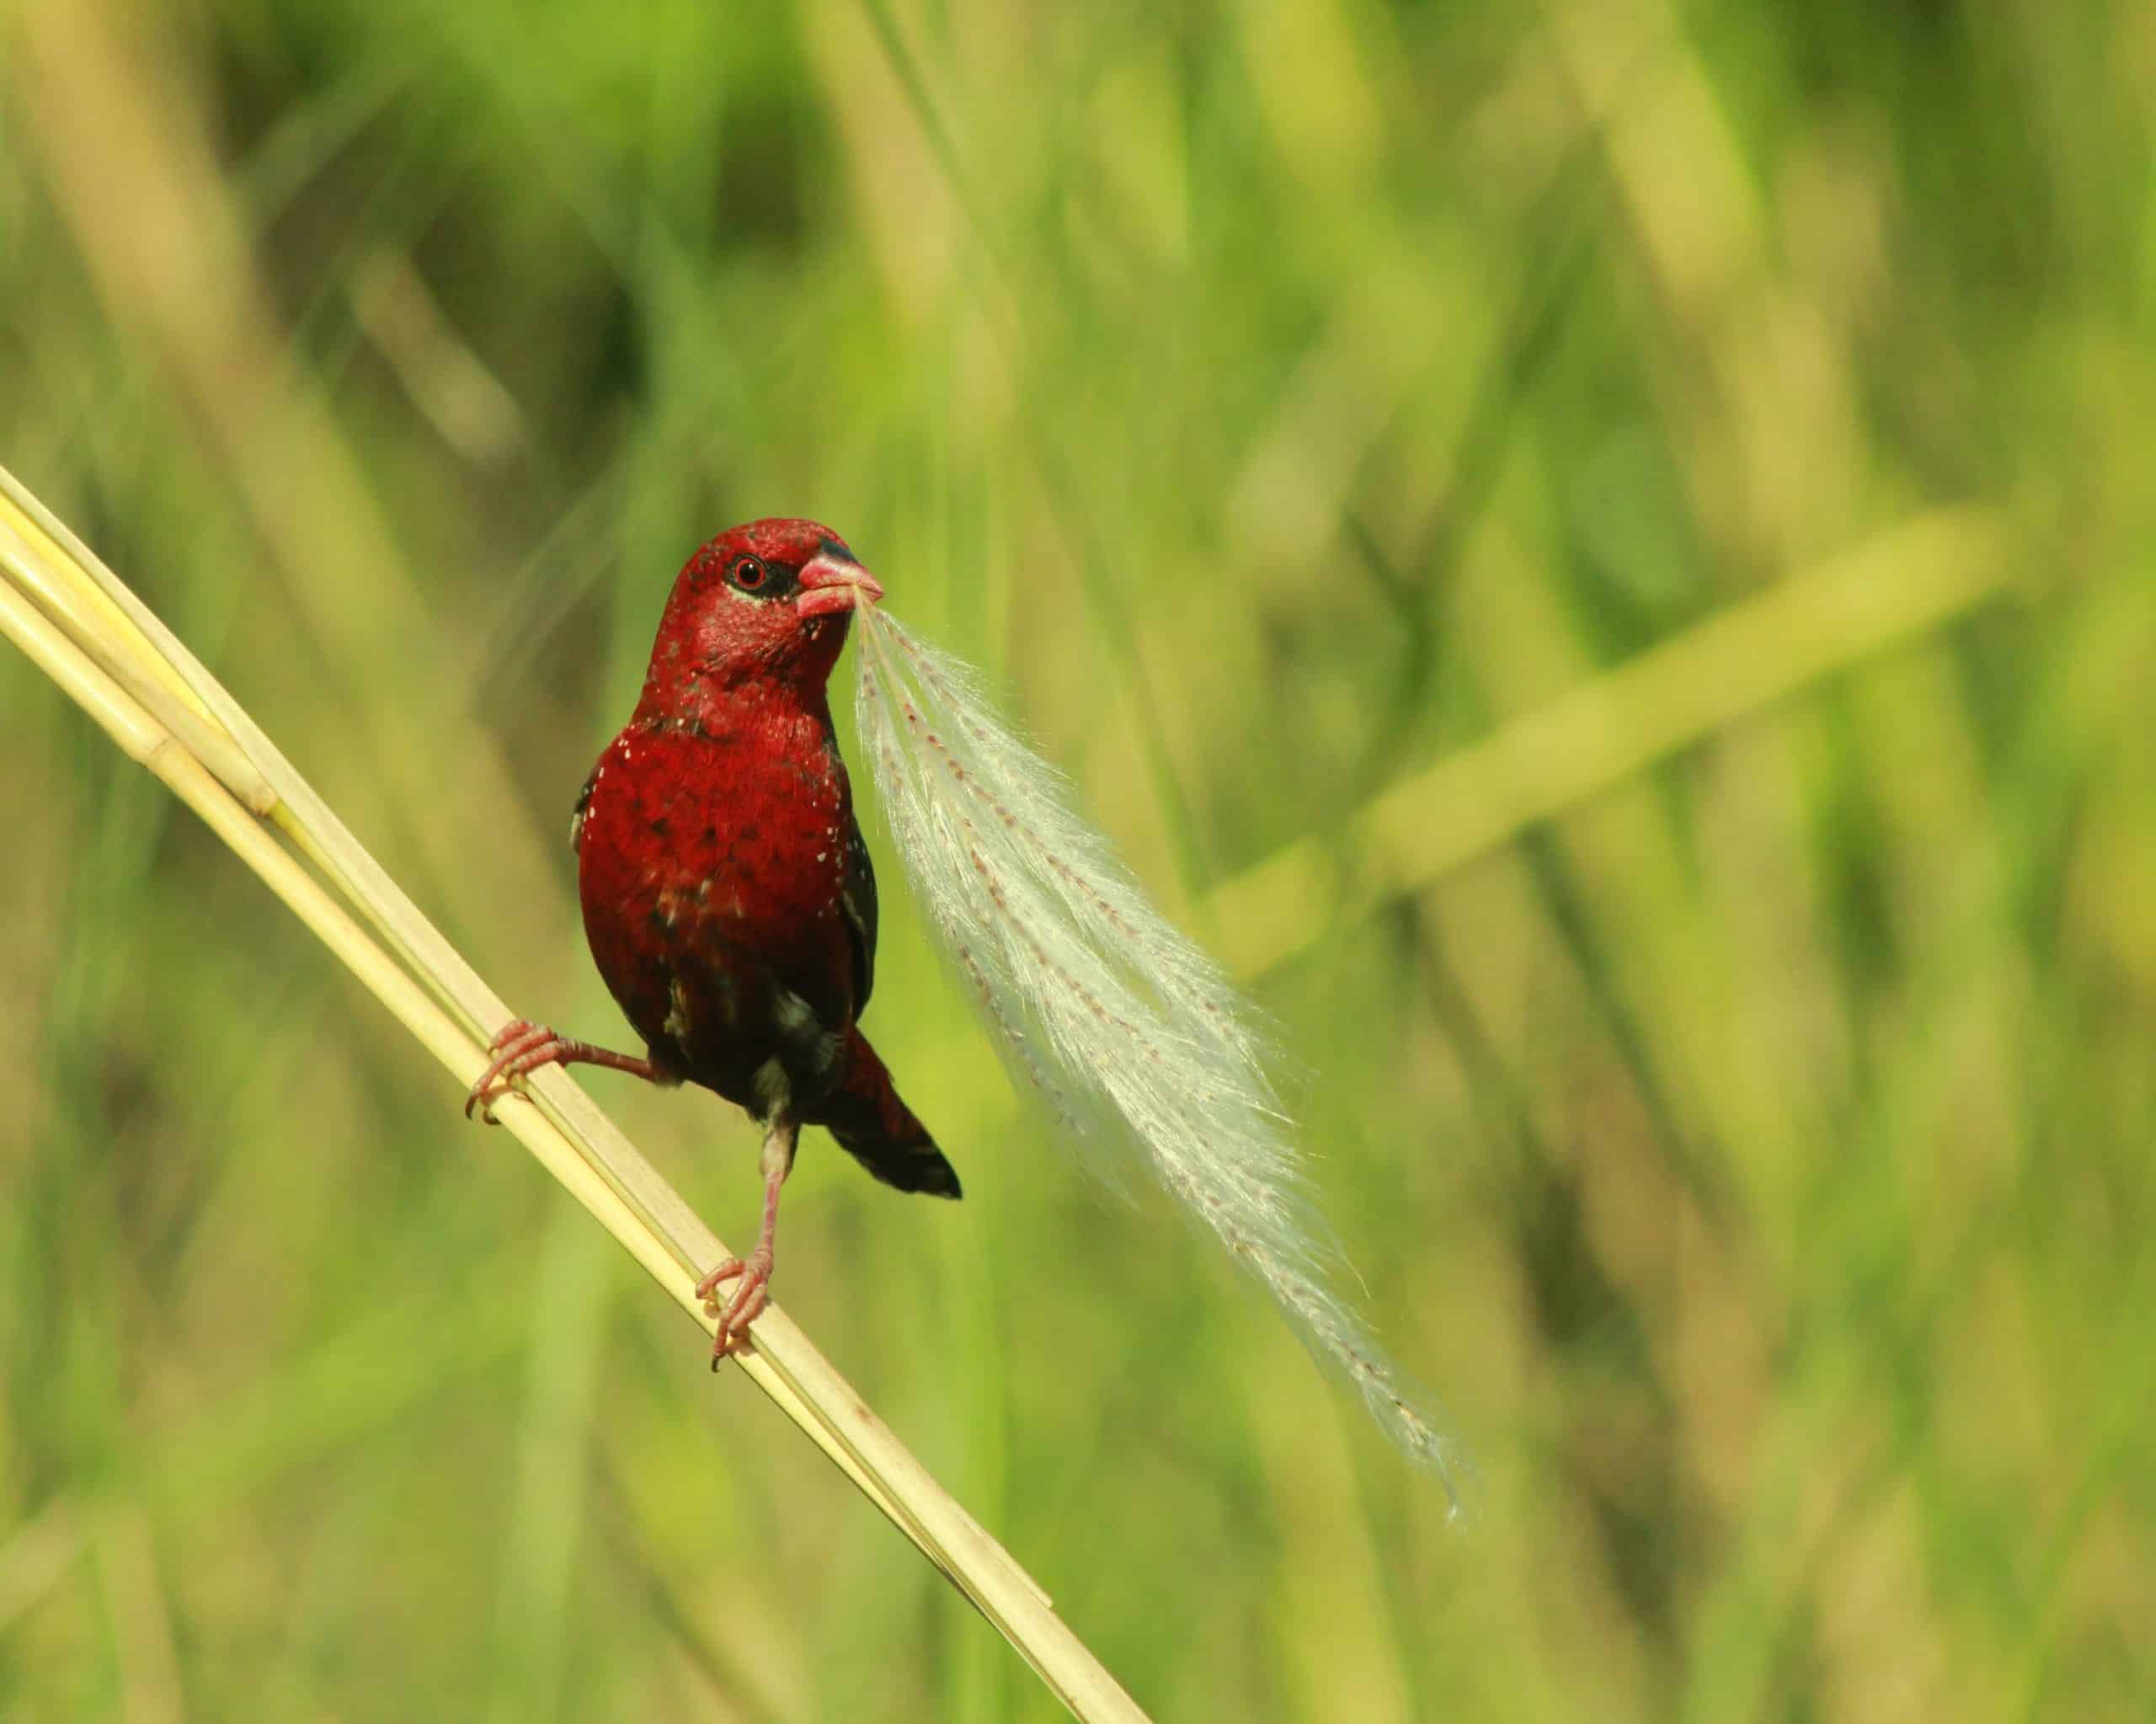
[
  {"x": 728, "y": 898},
  {"x": 728, "y": 895}
]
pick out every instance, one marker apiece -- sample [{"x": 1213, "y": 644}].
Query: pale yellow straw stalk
[{"x": 95, "y": 639}]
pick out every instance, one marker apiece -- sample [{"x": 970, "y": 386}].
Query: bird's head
[{"x": 767, "y": 603}]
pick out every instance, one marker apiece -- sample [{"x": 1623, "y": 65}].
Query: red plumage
[{"x": 728, "y": 895}]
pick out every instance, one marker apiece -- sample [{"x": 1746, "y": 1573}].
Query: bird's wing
[
  {"x": 583, "y": 802},
  {"x": 857, "y": 898}
]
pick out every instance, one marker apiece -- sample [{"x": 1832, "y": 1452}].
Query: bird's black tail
[{"x": 879, "y": 1130}]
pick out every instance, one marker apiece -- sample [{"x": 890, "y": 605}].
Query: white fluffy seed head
[{"x": 1126, "y": 1029}]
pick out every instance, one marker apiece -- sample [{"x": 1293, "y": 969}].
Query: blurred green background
[{"x": 1281, "y": 400}]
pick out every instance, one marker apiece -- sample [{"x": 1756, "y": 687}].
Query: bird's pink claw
[
  {"x": 524, "y": 1046},
  {"x": 521, "y": 1046},
  {"x": 753, "y": 1275}
]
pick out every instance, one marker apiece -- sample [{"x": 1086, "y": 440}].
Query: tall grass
[{"x": 1322, "y": 419}]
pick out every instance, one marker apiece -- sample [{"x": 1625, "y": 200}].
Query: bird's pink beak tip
[{"x": 828, "y": 587}]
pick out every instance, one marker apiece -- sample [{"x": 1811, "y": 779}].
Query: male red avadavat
[{"x": 728, "y": 895}]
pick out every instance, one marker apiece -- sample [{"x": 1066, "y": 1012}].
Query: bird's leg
[
  {"x": 753, "y": 1273},
  {"x": 525, "y": 1046}
]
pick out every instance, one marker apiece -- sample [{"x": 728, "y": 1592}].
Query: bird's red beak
[{"x": 828, "y": 585}]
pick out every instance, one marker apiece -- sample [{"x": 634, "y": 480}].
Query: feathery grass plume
[{"x": 1128, "y": 1030}]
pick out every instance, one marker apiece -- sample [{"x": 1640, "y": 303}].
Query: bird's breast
[{"x": 710, "y": 862}]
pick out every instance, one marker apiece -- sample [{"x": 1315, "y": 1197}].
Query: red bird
[{"x": 727, "y": 891}]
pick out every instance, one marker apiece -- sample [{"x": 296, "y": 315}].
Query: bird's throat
[{"x": 691, "y": 690}]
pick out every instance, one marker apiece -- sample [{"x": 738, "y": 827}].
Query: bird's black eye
[{"x": 749, "y": 573}]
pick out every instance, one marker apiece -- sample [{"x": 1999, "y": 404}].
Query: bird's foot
[
  {"x": 752, "y": 1276},
  {"x": 522, "y": 1046},
  {"x": 525, "y": 1046}
]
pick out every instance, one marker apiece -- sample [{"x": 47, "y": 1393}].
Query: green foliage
[{"x": 1277, "y": 398}]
